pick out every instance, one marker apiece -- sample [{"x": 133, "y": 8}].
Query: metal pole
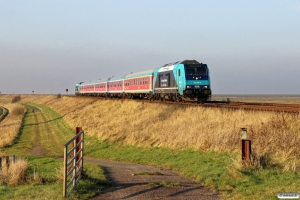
[
  {"x": 65, "y": 171},
  {"x": 74, "y": 163},
  {"x": 78, "y": 130}
]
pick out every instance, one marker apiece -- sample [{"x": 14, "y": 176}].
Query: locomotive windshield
[{"x": 196, "y": 70}]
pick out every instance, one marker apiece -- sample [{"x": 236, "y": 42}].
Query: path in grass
[
  {"x": 43, "y": 133},
  {"x": 134, "y": 181}
]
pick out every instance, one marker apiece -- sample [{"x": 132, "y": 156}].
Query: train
[{"x": 180, "y": 81}]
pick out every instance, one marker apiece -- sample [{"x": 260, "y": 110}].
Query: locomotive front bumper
[{"x": 193, "y": 91}]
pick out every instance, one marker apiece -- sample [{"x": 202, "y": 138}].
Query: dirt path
[{"x": 127, "y": 184}]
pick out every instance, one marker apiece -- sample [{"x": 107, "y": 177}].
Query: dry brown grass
[
  {"x": 10, "y": 126},
  {"x": 273, "y": 135},
  {"x": 15, "y": 174}
]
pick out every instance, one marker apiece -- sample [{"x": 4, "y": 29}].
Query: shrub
[
  {"x": 16, "y": 99},
  {"x": 19, "y": 110},
  {"x": 59, "y": 96}
]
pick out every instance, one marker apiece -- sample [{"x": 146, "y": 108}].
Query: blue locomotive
[{"x": 186, "y": 80}]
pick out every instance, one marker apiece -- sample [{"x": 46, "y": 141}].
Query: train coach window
[{"x": 179, "y": 72}]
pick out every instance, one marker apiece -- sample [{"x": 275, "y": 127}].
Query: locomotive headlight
[
  {"x": 205, "y": 86},
  {"x": 188, "y": 86}
]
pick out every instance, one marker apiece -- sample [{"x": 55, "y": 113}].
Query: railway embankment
[{"x": 200, "y": 143}]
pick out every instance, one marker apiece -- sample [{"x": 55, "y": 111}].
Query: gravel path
[{"x": 127, "y": 184}]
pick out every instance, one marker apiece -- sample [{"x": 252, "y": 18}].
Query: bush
[
  {"x": 59, "y": 96},
  {"x": 16, "y": 99},
  {"x": 19, "y": 110}
]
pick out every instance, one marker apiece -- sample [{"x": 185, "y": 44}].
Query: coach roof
[{"x": 140, "y": 74}]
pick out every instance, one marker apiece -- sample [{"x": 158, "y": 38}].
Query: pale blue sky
[{"x": 251, "y": 47}]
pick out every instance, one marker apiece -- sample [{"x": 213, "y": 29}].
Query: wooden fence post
[
  {"x": 14, "y": 159},
  {"x": 246, "y": 146},
  {"x": 7, "y": 161},
  {"x": 0, "y": 163}
]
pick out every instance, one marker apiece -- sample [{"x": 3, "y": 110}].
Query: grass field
[
  {"x": 201, "y": 143},
  {"x": 40, "y": 142}
]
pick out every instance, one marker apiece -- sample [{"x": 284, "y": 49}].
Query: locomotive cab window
[{"x": 196, "y": 70}]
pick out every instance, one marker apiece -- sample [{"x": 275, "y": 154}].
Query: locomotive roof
[{"x": 182, "y": 62}]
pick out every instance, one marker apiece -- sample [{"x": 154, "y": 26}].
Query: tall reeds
[{"x": 15, "y": 174}]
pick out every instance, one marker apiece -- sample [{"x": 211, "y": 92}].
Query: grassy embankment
[
  {"x": 202, "y": 143},
  {"x": 41, "y": 138}
]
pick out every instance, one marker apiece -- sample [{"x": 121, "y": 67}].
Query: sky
[{"x": 250, "y": 47}]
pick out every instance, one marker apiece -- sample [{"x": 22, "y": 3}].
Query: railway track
[
  {"x": 288, "y": 108},
  {"x": 274, "y": 107}
]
